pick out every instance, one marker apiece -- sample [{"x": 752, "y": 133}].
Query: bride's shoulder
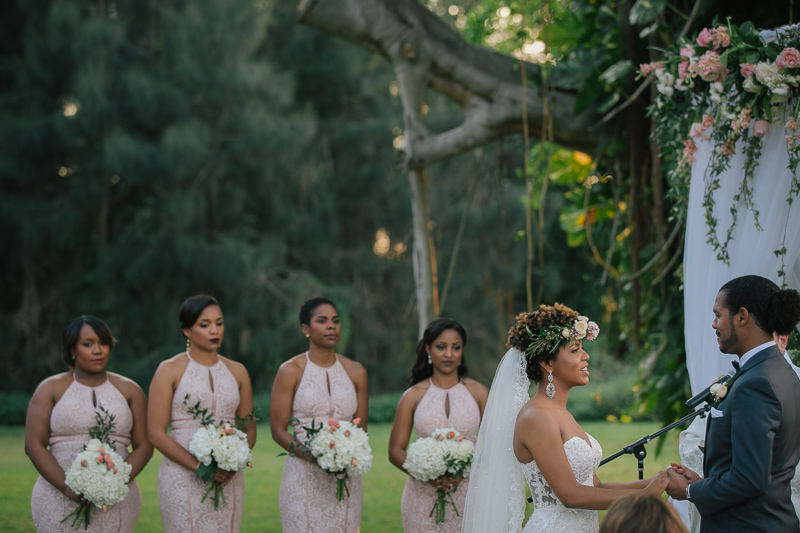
[{"x": 535, "y": 414}]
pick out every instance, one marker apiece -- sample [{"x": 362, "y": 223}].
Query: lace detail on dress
[
  {"x": 418, "y": 498},
  {"x": 308, "y": 493},
  {"x": 549, "y": 514},
  {"x": 179, "y": 489},
  {"x": 70, "y": 421}
]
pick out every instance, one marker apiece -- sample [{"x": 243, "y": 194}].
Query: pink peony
[
  {"x": 687, "y": 51},
  {"x": 788, "y": 58},
  {"x": 747, "y": 69},
  {"x": 761, "y": 128},
  {"x": 704, "y": 38}
]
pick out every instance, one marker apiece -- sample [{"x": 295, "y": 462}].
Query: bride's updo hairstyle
[{"x": 546, "y": 316}]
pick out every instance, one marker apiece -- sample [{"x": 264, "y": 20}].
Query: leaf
[
  {"x": 616, "y": 72},
  {"x": 645, "y": 11},
  {"x": 649, "y": 30},
  {"x": 752, "y": 57},
  {"x": 206, "y": 472}
]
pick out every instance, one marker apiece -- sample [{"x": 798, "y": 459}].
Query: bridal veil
[{"x": 496, "y": 494}]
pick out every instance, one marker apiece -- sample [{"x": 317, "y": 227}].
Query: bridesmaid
[
  {"x": 59, "y": 417},
  {"x": 220, "y": 385},
  {"x": 440, "y": 396},
  {"x": 317, "y": 385}
]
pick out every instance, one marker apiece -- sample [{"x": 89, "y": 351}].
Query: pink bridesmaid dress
[
  {"x": 418, "y": 497},
  {"x": 70, "y": 421},
  {"x": 179, "y": 489},
  {"x": 308, "y": 494}
]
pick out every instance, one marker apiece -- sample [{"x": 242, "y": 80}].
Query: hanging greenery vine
[{"x": 729, "y": 86}]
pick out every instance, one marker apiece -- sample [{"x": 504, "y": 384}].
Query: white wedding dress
[
  {"x": 496, "y": 491},
  {"x": 549, "y": 514}
]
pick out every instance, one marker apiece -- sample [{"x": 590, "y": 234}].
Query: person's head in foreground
[{"x": 639, "y": 513}]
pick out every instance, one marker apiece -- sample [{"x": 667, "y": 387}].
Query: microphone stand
[{"x": 637, "y": 448}]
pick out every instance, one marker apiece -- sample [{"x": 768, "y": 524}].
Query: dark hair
[
  {"x": 191, "y": 309},
  {"x": 73, "y": 330},
  {"x": 638, "y": 512},
  {"x": 543, "y": 317},
  {"x": 309, "y": 306},
  {"x": 421, "y": 369},
  {"x": 773, "y": 309}
]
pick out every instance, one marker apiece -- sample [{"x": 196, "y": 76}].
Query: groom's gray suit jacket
[{"x": 752, "y": 449}]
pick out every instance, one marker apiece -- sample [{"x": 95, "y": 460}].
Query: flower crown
[{"x": 549, "y": 337}]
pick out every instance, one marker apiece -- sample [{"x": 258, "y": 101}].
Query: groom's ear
[{"x": 742, "y": 317}]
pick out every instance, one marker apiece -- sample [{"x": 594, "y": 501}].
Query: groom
[{"x": 753, "y": 435}]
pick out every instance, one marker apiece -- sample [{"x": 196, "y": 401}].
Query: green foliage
[{"x": 13, "y": 408}]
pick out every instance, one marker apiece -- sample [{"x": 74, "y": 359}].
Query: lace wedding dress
[
  {"x": 496, "y": 495},
  {"x": 549, "y": 514}
]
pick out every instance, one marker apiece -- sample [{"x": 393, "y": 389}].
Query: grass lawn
[{"x": 383, "y": 485}]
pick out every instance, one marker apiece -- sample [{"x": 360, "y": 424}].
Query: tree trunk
[
  {"x": 421, "y": 252},
  {"x": 426, "y": 53}
]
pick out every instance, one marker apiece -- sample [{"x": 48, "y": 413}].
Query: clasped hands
[
  {"x": 680, "y": 477},
  {"x": 446, "y": 484}
]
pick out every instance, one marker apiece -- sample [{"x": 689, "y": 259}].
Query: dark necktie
[{"x": 735, "y": 365}]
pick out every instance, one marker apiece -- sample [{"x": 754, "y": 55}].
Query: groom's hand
[
  {"x": 678, "y": 482},
  {"x": 690, "y": 475}
]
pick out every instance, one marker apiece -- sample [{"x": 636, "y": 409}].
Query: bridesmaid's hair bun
[
  {"x": 192, "y": 307},
  {"x": 308, "y": 307},
  {"x": 73, "y": 331}
]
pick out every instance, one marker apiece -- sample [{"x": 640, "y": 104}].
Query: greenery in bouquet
[
  {"x": 98, "y": 474},
  {"x": 445, "y": 453},
  {"x": 218, "y": 445},
  {"x": 729, "y": 86},
  {"x": 340, "y": 448}
]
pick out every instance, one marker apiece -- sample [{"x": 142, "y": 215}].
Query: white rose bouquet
[
  {"x": 219, "y": 445},
  {"x": 445, "y": 453},
  {"x": 342, "y": 449},
  {"x": 98, "y": 473}
]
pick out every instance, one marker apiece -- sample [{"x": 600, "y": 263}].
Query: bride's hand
[{"x": 658, "y": 483}]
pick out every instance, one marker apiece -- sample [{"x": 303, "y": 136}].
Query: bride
[{"x": 537, "y": 439}]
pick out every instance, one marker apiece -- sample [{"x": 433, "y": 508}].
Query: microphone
[{"x": 705, "y": 394}]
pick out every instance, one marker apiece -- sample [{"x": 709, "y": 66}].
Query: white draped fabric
[{"x": 750, "y": 250}]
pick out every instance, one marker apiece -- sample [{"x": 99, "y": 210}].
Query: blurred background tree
[{"x": 151, "y": 151}]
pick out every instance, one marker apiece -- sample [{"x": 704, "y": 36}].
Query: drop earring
[
  {"x": 188, "y": 345},
  {"x": 550, "y": 390},
  {"x": 429, "y": 358}
]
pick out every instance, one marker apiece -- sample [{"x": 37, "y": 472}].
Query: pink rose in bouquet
[{"x": 788, "y": 58}]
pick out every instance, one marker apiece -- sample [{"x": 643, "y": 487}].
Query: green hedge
[{"x": 13, "y": 408}]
